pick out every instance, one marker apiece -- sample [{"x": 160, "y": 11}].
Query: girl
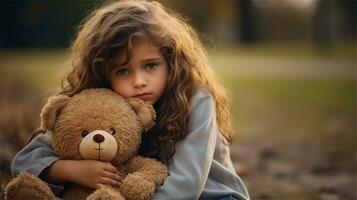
[{"x": 141, "y": 49}]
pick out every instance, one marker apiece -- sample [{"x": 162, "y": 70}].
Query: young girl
[{"x": 141, "y": 49}]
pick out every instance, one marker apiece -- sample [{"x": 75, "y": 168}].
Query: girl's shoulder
[{"x": 200, "y": 94}]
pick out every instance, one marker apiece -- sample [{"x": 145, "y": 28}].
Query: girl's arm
[
  {"x": 35, "y": 157},
  {"x": 38, "y": 158},
  {"x": 190, "y": 166}
]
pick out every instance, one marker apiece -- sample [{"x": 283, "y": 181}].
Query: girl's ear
[
  {"x": 145, "y": 112},
  {"x": 52, "y": 110}
]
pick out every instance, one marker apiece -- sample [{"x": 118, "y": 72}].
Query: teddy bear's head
[{"x": 96, "y": 124}]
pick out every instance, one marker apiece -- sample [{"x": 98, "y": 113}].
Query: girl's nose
[{"x": 139, "y": 80}]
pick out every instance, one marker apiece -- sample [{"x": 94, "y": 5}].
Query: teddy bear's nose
[{"x": 98, "y": 138}]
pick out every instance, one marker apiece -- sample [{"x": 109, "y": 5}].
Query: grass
[
  {"x": 293, "y": 107},
  {"x": 40, "y": 69},
  {"x": 345, "y": 50},
  {"x": 285, "y": 107}
]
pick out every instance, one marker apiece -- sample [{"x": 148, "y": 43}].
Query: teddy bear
[{"x": 101, "y": 125}]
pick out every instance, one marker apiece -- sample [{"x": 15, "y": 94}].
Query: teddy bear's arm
[
  {"x": 151, "y": 169},
  {"x": 144, "y": 175}
]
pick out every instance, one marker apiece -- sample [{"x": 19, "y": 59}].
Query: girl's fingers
[
  {"x": 99, "y": 185},
  {"x": 109, "y": 167},
  {"x": 108, "y": 181},
  {"x": 111, "y": 175}
]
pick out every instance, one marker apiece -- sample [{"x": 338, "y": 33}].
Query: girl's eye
[
  {"x": 151, "y": 66},
  {"x": 84, "y": 133},
  {"x": 122, "y": 72},
  {"x": 112, "y": 131}
]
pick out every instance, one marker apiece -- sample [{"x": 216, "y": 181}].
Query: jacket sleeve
[
  {"x": 189, "y": 167},
  {"x": 36, "y": 157}
]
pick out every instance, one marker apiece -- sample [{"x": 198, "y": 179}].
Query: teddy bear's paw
[
  {"x": 27, "y": 186},
  {"x": 135, "y": 187},
  {"x": 106, "y": 193}
]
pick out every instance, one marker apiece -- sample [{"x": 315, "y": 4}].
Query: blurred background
[{"x": 290, "y": 66}]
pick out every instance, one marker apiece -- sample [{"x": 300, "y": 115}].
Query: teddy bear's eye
[
  {"x": 84, "y": 133},
  {"x": 112, "y": 131}
]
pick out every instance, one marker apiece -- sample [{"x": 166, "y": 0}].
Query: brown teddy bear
[{"x": 101, "y": 125}]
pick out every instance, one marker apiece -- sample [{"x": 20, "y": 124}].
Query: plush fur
[{"x": 91, "y": 118}]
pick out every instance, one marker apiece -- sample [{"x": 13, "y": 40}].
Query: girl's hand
[
  {"x": 92, "y": 173},
  {"x": 88, "y": 173}
]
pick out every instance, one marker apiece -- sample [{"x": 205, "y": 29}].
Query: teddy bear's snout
[
  {"x": 98, "y": 138},
  {"x": 98, "y": 145}
]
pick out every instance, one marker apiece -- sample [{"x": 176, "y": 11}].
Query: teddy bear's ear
[
  {"x": 51, "y": 111},
  {"x": 145, "y": 112}
]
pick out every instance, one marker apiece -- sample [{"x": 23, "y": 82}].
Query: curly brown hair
[{"x": 112, "y": 28}]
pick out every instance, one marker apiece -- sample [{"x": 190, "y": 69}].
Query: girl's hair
[{"x": 114, "y": 28}]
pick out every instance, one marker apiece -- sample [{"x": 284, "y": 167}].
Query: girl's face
[{"x": 144, "y": 76}]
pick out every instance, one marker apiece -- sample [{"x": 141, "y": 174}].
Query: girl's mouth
[{"x": 143, "y": 96}]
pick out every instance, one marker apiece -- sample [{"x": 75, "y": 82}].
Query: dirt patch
[{"x": 286, "y": 169}]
